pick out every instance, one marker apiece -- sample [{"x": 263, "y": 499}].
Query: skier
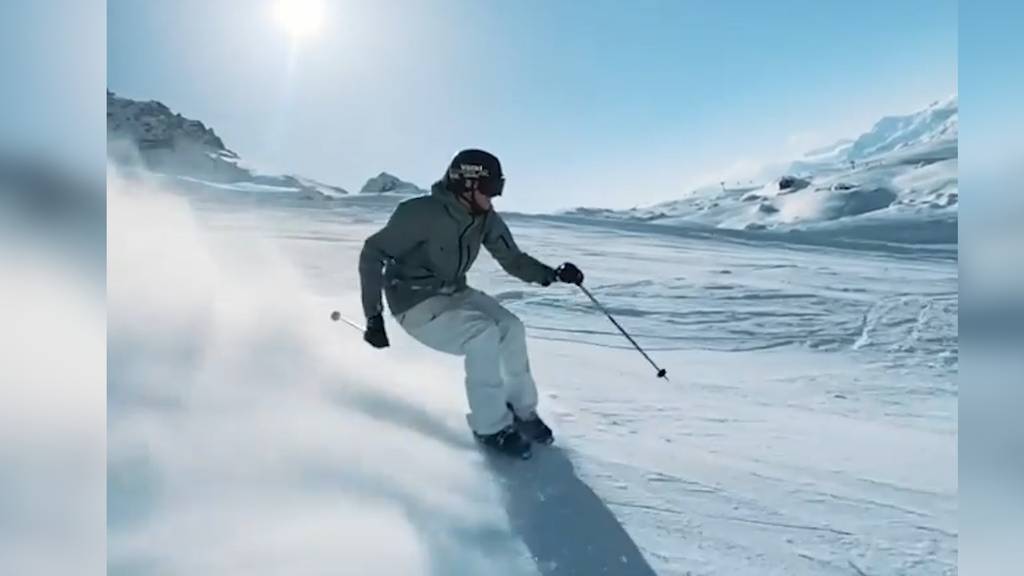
[{"x": 420, "y": 259}]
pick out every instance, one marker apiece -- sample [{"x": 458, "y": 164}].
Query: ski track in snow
[{"x": 809, "y": 426}]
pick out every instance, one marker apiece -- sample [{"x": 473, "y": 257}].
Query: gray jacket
[{"x": 428, "y": 245}]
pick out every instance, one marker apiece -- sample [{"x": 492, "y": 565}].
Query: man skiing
[{"x": 420, "y": 259}]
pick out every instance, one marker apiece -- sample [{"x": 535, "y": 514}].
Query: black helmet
[{"x": 475, "y": 170}]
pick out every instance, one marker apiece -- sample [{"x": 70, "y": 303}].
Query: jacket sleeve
[
  {"x": 498, "y": 241},
  {"x": 402, "y": 233}
]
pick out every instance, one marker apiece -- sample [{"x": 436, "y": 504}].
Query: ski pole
[
  {"x": 337, "y": 316},
  {"x": 661, "y": 371}
]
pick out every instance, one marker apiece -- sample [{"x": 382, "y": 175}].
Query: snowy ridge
[
  {"x": 167, "y": 142},
  {"x": 939, "y": 123},
  {"x": 900, "y": 175},
  {"x": 152, "y": 136},
  {"x": 385, "y": 183},
  {"x": 935, "y": 127}
]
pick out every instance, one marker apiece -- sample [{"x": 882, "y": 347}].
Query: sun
[{"x": 301, "y": 19}]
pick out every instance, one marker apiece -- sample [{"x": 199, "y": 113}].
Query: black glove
[
  {"x": 569, "y": 274},
  {"x": 375, "y": 333}
]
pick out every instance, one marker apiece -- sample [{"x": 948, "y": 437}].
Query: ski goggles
[{"x": 491, "y": 187}]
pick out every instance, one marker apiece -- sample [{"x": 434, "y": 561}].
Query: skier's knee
[{"x": 486, "y": 336}]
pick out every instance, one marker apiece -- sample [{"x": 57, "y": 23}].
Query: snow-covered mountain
[
  {"x": 936, "y": 128},
  {"x": 385, "y": 183},
  {"x": 166, "y": 142},
  {"x": 152, "y": 136},
  {"x": 899, "y": 175}
]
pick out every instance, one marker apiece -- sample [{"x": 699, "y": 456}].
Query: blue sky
[
  {"x": 991, "y": 147},
  {"x": 599, "y": 103}
]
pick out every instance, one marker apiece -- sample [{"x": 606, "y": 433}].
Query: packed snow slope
[
  {"x": 809, "y": 426},
  {"x": 898, "y": 181}
]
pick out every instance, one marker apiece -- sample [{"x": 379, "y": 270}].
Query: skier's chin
[{"x": 477, "y": 208}]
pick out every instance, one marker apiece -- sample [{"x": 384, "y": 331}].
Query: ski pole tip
[{"x": 662, "y": 374}]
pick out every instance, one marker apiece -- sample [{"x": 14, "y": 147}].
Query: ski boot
[
  {"x": 507, "y": 441},
  {"x": 533, "y": 428}
]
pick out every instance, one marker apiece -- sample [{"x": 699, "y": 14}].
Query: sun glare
[{"x": 300, "y": 18}]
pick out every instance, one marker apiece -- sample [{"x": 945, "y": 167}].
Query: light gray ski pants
[{"x": 472, "y": 324}]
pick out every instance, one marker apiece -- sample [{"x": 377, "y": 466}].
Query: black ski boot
[
  {"x": 534, "y": 428},
  {"x": 507, "y": 441}
]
